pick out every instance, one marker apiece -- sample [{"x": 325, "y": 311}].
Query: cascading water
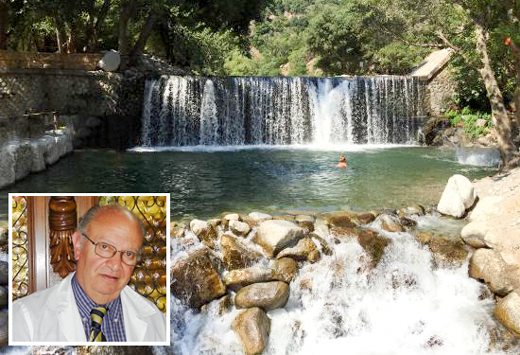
[
  {"x": 181, "y": 111},
  {"x": 339, "y": 305}
]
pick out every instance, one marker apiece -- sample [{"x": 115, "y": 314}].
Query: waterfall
[{"x": 185, "y": 110}]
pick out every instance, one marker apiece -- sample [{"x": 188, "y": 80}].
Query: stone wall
[
  {"x": 91, "y": 108},
  {"x": 440, "y": 92}
]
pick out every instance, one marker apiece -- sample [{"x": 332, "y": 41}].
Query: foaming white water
[
  {"x": 339, "y": 306},
  {"x": 233, "y": 148},
  {"x": 478, "y": 156}
]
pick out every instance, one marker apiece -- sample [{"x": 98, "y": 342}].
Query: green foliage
[{"x": 468, "y": 120}]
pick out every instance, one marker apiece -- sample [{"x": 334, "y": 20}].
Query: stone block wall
[{"x": 440, "y": 92}]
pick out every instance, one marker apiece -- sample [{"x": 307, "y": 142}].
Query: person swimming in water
[{"x": 342, "y": 162}]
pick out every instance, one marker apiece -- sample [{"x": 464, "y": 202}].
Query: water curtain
[{"x": 188, "y": 111}]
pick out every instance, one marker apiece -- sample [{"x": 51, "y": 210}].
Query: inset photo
[{"x": 89, "y": 268}]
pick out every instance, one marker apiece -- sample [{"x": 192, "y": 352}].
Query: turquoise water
[{"x": 205, "y": 182}]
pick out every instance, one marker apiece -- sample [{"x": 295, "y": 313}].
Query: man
[{"x": 94, "y": 303}]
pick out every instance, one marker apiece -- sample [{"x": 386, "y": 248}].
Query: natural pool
[{"x": 206, "y": 181}]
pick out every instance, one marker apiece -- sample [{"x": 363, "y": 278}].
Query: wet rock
[
  {"x": 474, "y": 233},
  {"x": 448, "y": 252},
  {"x": 220, "y": 306},
  {"x": 321, "y": 228},
  {"x": 305, "y": 249},
  {"x": 374, "y": 245},
  {"x": 321, "y": 244},
  {"x": 343, "y": 219},
  {"x": 239, "y": 228},
  {"x": 248, "y": 276},
  {"x": 266, "y": 295},
  {"x": 275, "y": 235},
  {"x": 416, "y": 210},
  {"x": 305, "y": 221},
  {"x": 508, "y": 311},
  {"x": 390, "y": 223},
  {"x": 424, "y": 237},
  {"x": 285, "y": 217},
  {"x": 366, "y": 217},
  {"x": 195, "y": 280},
  {"x": 177, "y": 229},
  {"x": 457, "y": 197},
  {"x": 232, "y": 217},
  {"x": 204, "y": 231},
  {"x": 407, "y": 222},
  {"x": 260, "y": 217},
  {"x": 252, "y": 327},
  {"x": 488, "y": 265},
  {"x": 284, "y": 269},
  {"x": 235, "y": 254}
]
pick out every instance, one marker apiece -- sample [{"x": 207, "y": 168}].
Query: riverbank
[
  {"x": 494, "y": 230},
  {"x": 307, "y": 277}
]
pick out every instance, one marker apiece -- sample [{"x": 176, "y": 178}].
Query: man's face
[{"x": 104, "y": 278}]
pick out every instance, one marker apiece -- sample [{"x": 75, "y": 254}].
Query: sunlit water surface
[{"x": 205, "y": 181}]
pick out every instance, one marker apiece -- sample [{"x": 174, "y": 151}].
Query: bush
[{"x": 468, "y": 119}]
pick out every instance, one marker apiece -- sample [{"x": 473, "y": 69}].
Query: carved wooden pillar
[{"x": 62, "y": 224}]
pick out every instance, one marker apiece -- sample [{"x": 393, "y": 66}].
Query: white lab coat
[{"x": 52, "y": 315}]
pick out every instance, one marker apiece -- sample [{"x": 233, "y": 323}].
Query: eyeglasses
[{"x": 107, "y": 251}]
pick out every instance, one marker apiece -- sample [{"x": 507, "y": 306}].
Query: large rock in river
[
  {"x": 248, "y": 276},
  {"x": 459, "y": 195},
  {"x": 508, "y": 311},
  {"x": 266, "y": 295},
  {"x": 252, "y": 327},
  {"x": 488, "y": 265},
  {"x": 195, "y": 280},
  {"x": 275, "y": 235},
  {"x": 235, "y": 254},
  {"x": 284, "y": 269},
  {"x": 304, "y": 250}
]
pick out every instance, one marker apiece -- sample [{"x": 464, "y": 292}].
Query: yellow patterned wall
[
  {"x": 149, "y": 277},
  {"x": 20, "y": 250}
]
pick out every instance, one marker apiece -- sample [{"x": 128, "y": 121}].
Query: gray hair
[{"x": 91, "y": 214}]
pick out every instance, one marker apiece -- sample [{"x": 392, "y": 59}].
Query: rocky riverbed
[{"x": 249, "y": 273}]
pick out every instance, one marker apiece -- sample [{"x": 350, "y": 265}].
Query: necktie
[{"x": 97, "y": 315}]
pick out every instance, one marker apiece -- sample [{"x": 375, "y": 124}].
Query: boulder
[
  {"x": 488, "y": 265},
  {"x": 235, "y": 254},
  {"x": 305, "y": 249},
  {"x": 260, "y": 217},
  {"x": 508, "y": 311},
  {"x": 248, "y": 276},
  {"x": 266, "y": 295},
  {"x": 424, "y": 237},
  {"x": 341, "y": 219},
  {"x": 252, "y": 327},
  {"x": 305, "y": 221},
  {"x": 239, "y": 228},
  {"x": 474, "y": 234},
  {"x": 195, "y": 279},
  {"x": 390, "y": 223},
  {"x": 321, "y": 228},
  {"x": 284, "y": 269},
  {"x": 448, "y": 251},
  {"x": 321, "y": 244},
  {"x": 275, "y": 235},
  {"x": 457, "y": 197},
  {"x": 416, "y": 210},
  {"x": 374, "y": 245},
  {"x": 204, "y": 231},
  {"x": 110, "y": 61}
]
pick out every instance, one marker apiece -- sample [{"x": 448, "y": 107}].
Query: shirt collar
[{"x": 85, "y": 304}]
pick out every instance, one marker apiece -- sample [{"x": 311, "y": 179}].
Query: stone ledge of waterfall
[{"x": 252, "y": 327}]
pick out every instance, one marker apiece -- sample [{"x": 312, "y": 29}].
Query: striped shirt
[{"x": 112, "y": 326}]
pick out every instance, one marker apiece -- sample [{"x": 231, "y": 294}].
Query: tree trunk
[
  {"x": 498, "y": 110},
  {"x": 60, "y": 35},
  {"x": 127, "y": 8},
  {"x": 96, "y": 26},
  {"x": 3, "y": 24},
  {"x": 516, "y": 99},
  {"x": 143, "y": 36}
]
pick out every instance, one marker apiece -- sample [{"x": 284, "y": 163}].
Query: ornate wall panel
[
  {"x": 20, "y": 250},
  {"x": 149, "y": 277}
]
